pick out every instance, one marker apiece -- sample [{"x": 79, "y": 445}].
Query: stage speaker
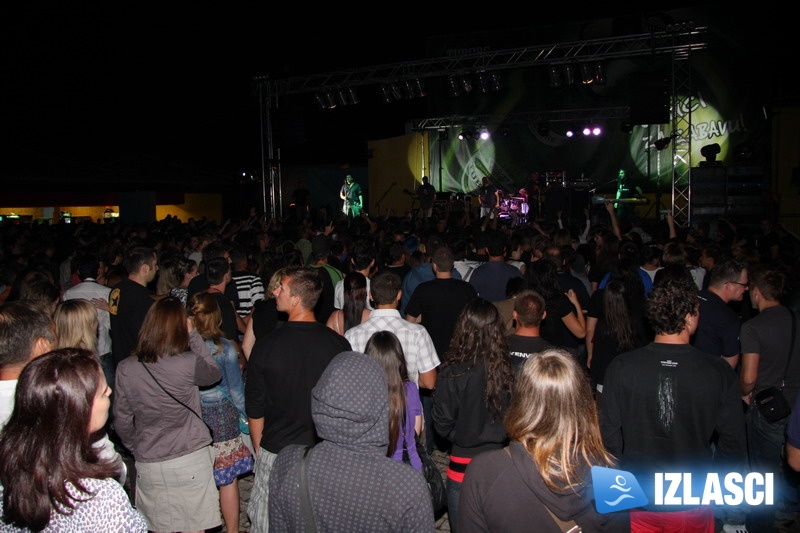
[
  {"x": 649, "y": 98},
  {"x": 709, "y": 186}
]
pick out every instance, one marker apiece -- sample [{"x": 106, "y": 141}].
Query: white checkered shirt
[{"x": 414, "y": 338}]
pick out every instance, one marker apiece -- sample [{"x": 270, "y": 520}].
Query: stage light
[
  {"x": 569, "y": 133},
  {"x": 408, "y": 89},
  {"x": 484, "y": 135},
  {"x": 462, "y": 135},
  {"x": 587, "y": 73},
  {"x": 569, "y": 74},
  {"x": 330, "y": 99},
  {"x": 387, "y": 95},
  {"x": 495, "y": 81},
  {"x": 466, "y": 84},
  {"x": 587, "y": 131},
  {"x": 340, "y": 94},
  {"x": 554, "y": 72},
  {"x": 352, "y": 95},
  {"x": 419, "y": 89},
  {"x": 453, "y": 88},
  {"x": 596, "y": 130},
  {"x": 396, "y": 92},
  {"x": 320, "y": 101},
  {"x": 599, "y": 73},
  {"x": 483, "y": 82}
]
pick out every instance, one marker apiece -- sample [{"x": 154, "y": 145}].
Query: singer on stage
[{"x": 353, "y": 202}]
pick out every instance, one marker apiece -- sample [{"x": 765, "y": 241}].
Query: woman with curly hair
[
  {"x": 544, "y": 474},
  {"x": 473, "y": 390},
  {"x": 354, "y": 311}
]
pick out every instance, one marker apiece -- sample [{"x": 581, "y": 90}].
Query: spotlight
[
  {"x": 340, "y": 94},
  {"x": 419, "y": 89},
  {"x": 462, "y": 135},
  {"x": 569, "y": 133},
  {"x": 555, "y": 75},
  {"x": 396, "y": 92},
  {"x": 320, "y": 101},
  {"x": 596, "y": 131},
  {"x": 662, "y": 143},
  {"x": 483, "y": 82},
  {"x": 408, "y": 89},
  {"x": 453, "y": 88},
  {"x": 587, "y": 74},
  {"x": 466, "y": 84},
  {"x": 587, "y": 131},
  {"x": 484, "y": 135},
  {"x": 495, "y": 81},
  {"x": 330, "y": 99},
  {"x": 352, "y": 95},
  {"x": 386, "y": 93},
  {"x": 569, "y": 74},
  {"x": 599, "y": 73}
]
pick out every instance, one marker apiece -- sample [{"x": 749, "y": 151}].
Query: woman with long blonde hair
[
  {"x": 76, "y": 325},
  {"x": 544, "y": 475}
]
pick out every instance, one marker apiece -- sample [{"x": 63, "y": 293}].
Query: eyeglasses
[{"x": 745, "y": 285}]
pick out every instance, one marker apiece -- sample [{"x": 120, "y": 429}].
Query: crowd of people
[{"x": 322, "y": 351}]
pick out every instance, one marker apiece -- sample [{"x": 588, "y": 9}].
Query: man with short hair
[
  {"x": 528, "y": 313},
  {"x": 283, "y": 368},
  {"x": 766, "y": 350},
  {"x": 130, "y": 300},
  {"x": 718, "y": 327},
  {"x": 491, "y": 278},
  {"x": 663, "y": 403},
  {"x": 218, "y": 273},
  {"x": 329, "y": 275},
  {"x": 420, "y": 353},
  {"x": 437, "y": 304}
]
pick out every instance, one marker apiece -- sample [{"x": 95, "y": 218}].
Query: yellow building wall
[
  {"x": 196, "y": 206},
  {"x": 395, "y": 170}
]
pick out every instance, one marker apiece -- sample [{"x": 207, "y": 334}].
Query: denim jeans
[
  {"x": 765, "y": 445},
  {"x": 453, "y": 493}
]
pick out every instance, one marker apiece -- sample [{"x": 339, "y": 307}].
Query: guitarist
[{"x": 353, "y": 199}]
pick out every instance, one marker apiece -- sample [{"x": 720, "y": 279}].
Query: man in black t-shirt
[
  {"x": 130, "y": 300},
  {"x": 528, "y": 313}
]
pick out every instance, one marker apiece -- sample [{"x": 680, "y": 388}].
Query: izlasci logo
[{"x": 616, "y": 490}]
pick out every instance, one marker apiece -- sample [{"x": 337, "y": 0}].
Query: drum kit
[{"x": 514, "y": 208}]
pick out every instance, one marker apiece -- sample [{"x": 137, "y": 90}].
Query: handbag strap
[
  {"x": 791, "y": 348},
  {"x": 565, "y": 526},
  {"x": 170, "y": 394},
  {"x": 309, "y": 524}
]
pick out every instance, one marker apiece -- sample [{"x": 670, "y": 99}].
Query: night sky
[{"x": 92, "y": 83}]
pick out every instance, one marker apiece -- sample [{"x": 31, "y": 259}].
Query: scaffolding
[{"x": 679, "y": 41}]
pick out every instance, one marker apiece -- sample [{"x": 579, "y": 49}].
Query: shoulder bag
[
  {"x": 433, "y": 477},
  {"x": 770, "y": 402}
]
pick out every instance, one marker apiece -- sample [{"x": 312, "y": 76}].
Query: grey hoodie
[{"x": 353, "y": 485}]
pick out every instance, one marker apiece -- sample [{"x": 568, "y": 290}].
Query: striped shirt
[{"x": 250, "y": 289}]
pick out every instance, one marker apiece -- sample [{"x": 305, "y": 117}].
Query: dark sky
[{"x": 175, "y": 79}]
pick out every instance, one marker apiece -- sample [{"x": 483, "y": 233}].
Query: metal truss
[
  {"x": 681, "y": 115},
  {"x": 679, "y": 40},
  {"x": 682, "y": 40},
  {"x": 554, "y": 116}
]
